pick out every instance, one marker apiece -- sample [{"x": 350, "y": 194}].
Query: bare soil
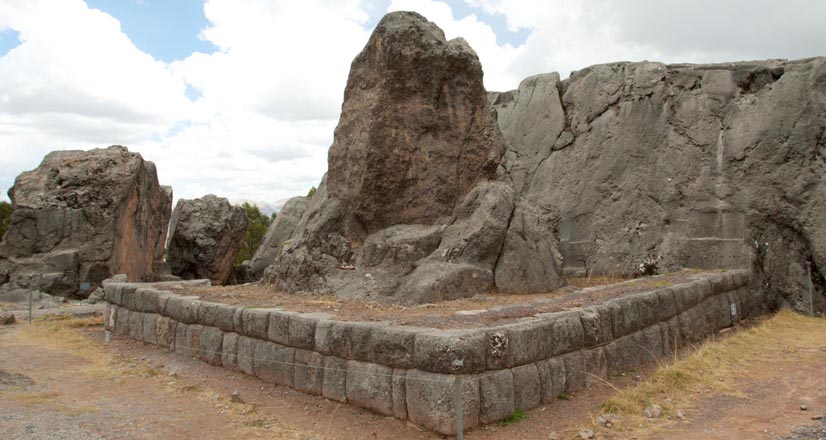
[
  {"x": 480, "y": 310},
  {"x": 59, "y": 382}
]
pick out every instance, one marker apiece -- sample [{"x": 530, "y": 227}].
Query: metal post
[
  {"x": 457, "y": 381},
  {"x": 457, "y": 385},
  {"x": 811, "y": 289},
  {"x": 30, "y": 307}
]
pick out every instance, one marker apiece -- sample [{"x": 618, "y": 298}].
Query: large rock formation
[
  {"x": 410, "y": 209},
  {"x": 278, "y": 234},
  {"x": 643, "y": 165},
  {"x": 82, "y": 216},
  {"x": 204, "y": 238}
]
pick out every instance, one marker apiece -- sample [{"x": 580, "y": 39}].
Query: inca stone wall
[
  {"x": 703, "y": 166},
  {"x": 408, "y": 372},
  {"x": 82, "y": 216}
]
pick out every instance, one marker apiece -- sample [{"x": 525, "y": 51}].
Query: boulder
[
  {"x": 80, "y": 217},
  {"x": 278, "y": 234},
  {"x": 204, "y": 238},
  {"x": 645, "y": 167},
  {"x": 411, "y": 209}
]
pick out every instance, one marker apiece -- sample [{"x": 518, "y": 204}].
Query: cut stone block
[
  {"x": 496, "y": 395},
  {"x": 431, "y": 403},
  {"x": 335, "y": 379},
  {"x": 370, "y": 386},
  {"x": 551, "y": 379},
  {"x": 309, "y": 371},
  {"x": 274, "y": 363},
  {"x": 436, "y": 351},
  {"x": 526, "y": 388}
]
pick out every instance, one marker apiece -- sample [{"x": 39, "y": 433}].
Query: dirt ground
[
  {"x": 480, "y": 310},
  {"x": 60, "y": 380}
]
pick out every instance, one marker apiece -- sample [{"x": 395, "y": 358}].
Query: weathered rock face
[
  {"x": 82, "y": 216},
  {"x": 204, "y": 238},
  {"x": 678, "y": 166},
  {"x": 279, "y": 232},
  {"x": 410, "y": 210},
  {"x": 416, "y": 131}
]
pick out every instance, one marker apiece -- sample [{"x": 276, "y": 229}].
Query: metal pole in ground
[{"x": 457, "y": 384}]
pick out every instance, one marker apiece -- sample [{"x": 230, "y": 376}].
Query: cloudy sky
[{"x": 240, "y": 97}]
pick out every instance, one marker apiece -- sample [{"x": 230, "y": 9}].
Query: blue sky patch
[
  {"x": 166, "y": 29},
  {"x": 9, "y": 39}
]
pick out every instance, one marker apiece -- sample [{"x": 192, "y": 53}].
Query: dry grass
[
  {"x": 593, "y": 281},
  {"x": 716, "y": 365}
]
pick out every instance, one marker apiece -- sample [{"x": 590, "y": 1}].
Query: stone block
[
  {"x": 596, "y": 366},
  {"x": 150, "y": 321},
  {"x": 575, "y": 372},
  {"x": 274, "y": 363},
  {"x": 181, "y": 343},
  {"x": 567, "y": 333},
  {"x": 183, "y": 309},
  {"x": 246, "y": 354},
  {"x": 163, "y": 300},
  {"x": 217, "y": 315},
  {"x": 496, "y": 395},
  {"x": 165, "y": 331},
  {"x": 109, "y": 293},
  {"x": 109, "y": 316},
  {"x": 346, "y": 340},
  {"x": 309, "y": 371},
  {"x": 497, "y": 348},
  {"x": 551, "y": 378},
  {"x": 370, "y": 386},
  {"x": 527, "y": 342},
  {"x": 667, "y": 306},
  {"x": 301, "y": 331},
  {"x": 435, "y": 351},
  {"x": 623, "y": 354},
  {"x": 146, "y": 300},
  {"x": 255, "y": 323},
  {"x": 431, "y": 404},
  {"x": 229, "y": 351},
  {"x": 596, "y": 327},
  {"x": 127, "y": 296},
  {"x": 527, "y": 392},
  {"x": 334, "y": 385},
  {"x": 393, "y": 346},
  {"x": 651, "y": 343},
  {"x": 211, "y": 344},
  {"x": 648, "y": 305},
  {"x": 624, "y": 319},
  {"x": 399, "y": 394},
  {"x": 278, "y": 330},
  {"x": 136, "y": 325},
  {"x": 687, "y": 295},
  {"x": 193, "y": 340},
  {"x": 122, "y": 321}
]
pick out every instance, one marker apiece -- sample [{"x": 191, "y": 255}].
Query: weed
[
  {"x": 517, "y": 416},
  {"x": 564, "y": 396}
]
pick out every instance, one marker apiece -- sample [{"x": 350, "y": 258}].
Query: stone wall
[{"x": 407, "y": 372}]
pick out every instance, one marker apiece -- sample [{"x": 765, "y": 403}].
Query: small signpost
[{"x": 457, "y": 383}]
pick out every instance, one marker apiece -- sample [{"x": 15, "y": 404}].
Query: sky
[{"x": 240, "y": 98}]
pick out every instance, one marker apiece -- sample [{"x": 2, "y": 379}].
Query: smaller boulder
[
  {"x": 7, "y": 319},
  {"x": 205, "y": 236}
]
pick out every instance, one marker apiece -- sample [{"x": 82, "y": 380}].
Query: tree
[
  {"x": 5, "y": 217},
  {"x": 257, "y": 225},
  {"x": 311, "y": 193}
]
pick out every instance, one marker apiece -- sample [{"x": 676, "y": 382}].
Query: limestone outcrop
[
  {"x": 411, "y": 210},
  {"x": 635, "y": 166},
  {"x": 82, "y": 216},
  {"x": 278, "y": 234},
  {"x": 204, "y": 237}
]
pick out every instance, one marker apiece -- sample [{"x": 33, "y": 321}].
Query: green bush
[
  {"x": 257, "y": 225},
  {"x": 5, "y": 217}
]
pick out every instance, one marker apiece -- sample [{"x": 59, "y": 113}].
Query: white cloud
[{"x": 269, "y": 98}]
